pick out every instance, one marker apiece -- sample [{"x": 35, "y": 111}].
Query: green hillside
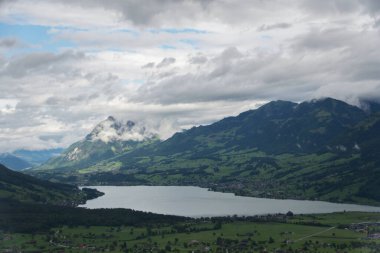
[
  {"x": 15, "y": 186},
  {"x": 322, "y": 149}
]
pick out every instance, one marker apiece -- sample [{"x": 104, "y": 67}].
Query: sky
[{"x": 65, "y": 65}]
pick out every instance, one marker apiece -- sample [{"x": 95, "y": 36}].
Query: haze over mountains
[
  {"x": 320, "y": 149},
  {"x": 22, "y": 159},
  {"x": 14, "y": 162}
]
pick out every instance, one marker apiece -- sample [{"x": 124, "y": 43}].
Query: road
[{"x": 321, "y": 232}]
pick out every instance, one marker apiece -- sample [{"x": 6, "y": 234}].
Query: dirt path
[{"x": 321, "y": 232}]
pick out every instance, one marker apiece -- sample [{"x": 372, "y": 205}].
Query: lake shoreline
[
  {"x": 246, "y": 194},
  {"x": 195, "y": 196}
]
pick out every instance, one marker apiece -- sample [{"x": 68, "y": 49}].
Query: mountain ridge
[
  {"x": 317, "y": 149},
  {"x": 37, "y": 157},
  {"x": 14, "y": 162},
  {"x": 107, "y": 139},
  {"x": 23, "y": 159},
  {"x": 16, "y": 186}
]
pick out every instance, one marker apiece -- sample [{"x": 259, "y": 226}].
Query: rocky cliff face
[
  {"x": 111, "y": 130},
  {"x": 109, "y": 138}
]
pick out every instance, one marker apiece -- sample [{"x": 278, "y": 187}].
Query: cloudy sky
[{"x": 67, "y": 64}]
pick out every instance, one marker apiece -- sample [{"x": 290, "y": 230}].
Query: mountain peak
[
  {"x": 326, "y": 101},
  {"x": 330, "y": 104},
  {"x": 276, "y": 108},
  {"x": 130, "y": 124},
  {"x": 278, "y": 104},
  {"x": 111, "y": 129},
  {"x": 110, "y": 118}
]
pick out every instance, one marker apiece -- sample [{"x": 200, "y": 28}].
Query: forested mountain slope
[{"x": 320, "y": 149}]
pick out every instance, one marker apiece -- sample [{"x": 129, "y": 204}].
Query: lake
[{"x": 197, "y": 202}]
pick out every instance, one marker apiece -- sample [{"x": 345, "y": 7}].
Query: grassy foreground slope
[
  {"x": 32, "y": 205},
  {"x": 15, "y": 186},
  {"x": 328, "y": 233}
]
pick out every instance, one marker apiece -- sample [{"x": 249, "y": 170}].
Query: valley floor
[{"x": 337, "y": 232}]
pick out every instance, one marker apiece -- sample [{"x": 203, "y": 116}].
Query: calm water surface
[{"x": 197, "y": 202}]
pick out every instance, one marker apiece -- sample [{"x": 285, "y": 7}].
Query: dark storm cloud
[
  {"x": 377, "y": 23},
  {"x": 5, "y": 1},
  {"x": 274, "y": 26},
  {"x": 166, "y": 62},
  {"x": 150, "y": 12},
  {"x": 327, "y": 39},
  {"x": 331, "y": 6},
  {"x": 372, "y": 6},
  {"x": 41, "y": 62},
  {"x": 9, "y": 42},
  {"x": 53, "y": 137},
  {"x": 324, "y": 63},
  {"x": 341, "y": 6},
  {"x": 229, "y": 54},
  {"x": 149, "y": 65},
  {"x": 198, "y": 59}
]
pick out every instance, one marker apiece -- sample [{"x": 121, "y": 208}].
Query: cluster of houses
[{"x": 365, "y": 227}]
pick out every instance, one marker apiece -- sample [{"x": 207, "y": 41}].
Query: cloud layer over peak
[{"x": 66, "y": 65}]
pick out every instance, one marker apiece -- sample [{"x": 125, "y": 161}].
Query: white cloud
[
  {"x": 197, "y": 64},
  {"x": 8, "y": 106}
]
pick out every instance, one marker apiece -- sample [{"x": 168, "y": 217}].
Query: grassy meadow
[{"x": 300, "y": 233}]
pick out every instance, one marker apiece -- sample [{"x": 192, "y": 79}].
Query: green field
[{"x": 301, "y": 233}]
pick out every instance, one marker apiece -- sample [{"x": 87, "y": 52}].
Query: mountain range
[
  {"x": 37, "y": 157},
  {"x": 321, "y": 149},
  {"x": 22, "y": 159},
  {"x": 14, "y": 162}
]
